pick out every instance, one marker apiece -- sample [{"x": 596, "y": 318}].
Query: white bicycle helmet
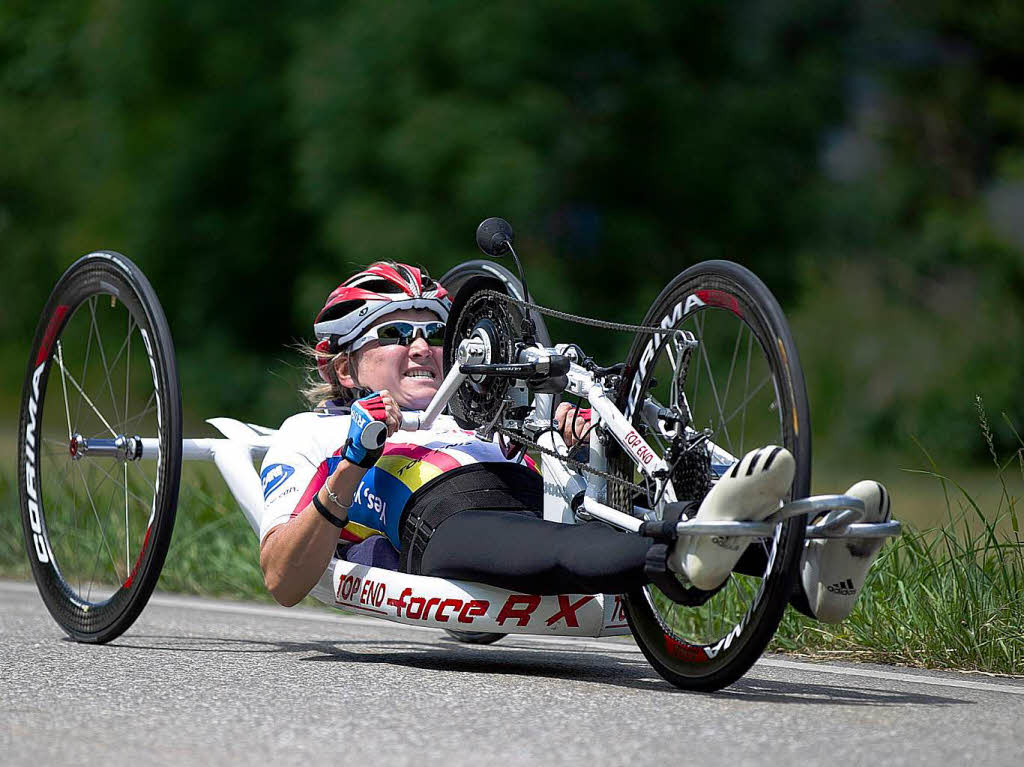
[{"x": 365, "y": 297}]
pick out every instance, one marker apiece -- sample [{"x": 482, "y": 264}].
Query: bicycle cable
[{"x": 592, "y": 322}]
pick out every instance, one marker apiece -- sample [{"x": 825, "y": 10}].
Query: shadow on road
[
  {"x": 587, "y": 664},
  {"x": 769, "y": 691}
]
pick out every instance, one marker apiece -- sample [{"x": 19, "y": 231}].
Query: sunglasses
[{"x": 402, "y": 332}]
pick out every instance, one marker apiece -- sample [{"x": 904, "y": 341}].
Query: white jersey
[{"x": 308, "y": 448}]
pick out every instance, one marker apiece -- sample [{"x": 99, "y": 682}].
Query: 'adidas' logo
[{"x": 846, "y": 588}]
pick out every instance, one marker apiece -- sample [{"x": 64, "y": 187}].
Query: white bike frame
[{"x": 460, "y": 605}]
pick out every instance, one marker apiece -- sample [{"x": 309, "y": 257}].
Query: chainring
[{"x": 476, "y": 312}]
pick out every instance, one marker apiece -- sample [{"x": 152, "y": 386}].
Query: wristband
[{"x": 326, "y": 514}]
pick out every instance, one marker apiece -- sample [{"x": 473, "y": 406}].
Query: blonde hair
[{"x": 318, "y": 392}]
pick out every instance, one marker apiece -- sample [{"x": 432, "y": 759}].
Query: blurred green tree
[
  {"x": 918, "y": 264},
  {"x": 633, "y": 137},
  {"x": 866, "y": 161}
]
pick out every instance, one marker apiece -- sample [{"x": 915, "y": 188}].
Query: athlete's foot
[
  {"x": 749, "y": 491},
  {"x": 833, "y": 569}
]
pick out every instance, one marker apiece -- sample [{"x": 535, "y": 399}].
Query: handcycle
[{"x": 712, "y": 371}]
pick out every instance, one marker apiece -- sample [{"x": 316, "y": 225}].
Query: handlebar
[
  {"x": 413, "y": 420},
  {"x": 550, "y": 364}
]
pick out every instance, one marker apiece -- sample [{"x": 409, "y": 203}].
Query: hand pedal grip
[{"x": 373, "y": 435}]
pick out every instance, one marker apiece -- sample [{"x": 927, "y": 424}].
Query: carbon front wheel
[
  {"x": 739, "y": 388},
  {"x": 99, "y": 447}
]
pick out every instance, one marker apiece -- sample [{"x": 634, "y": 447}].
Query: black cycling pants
[
  {"x": 518, "y": 551},
  {"x": 480, "y": 524}
]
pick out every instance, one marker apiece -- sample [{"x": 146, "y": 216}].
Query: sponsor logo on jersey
[
  {"x": 373, "y": 501},
  {"x": 359, "y": 416},
  {"x": 274, "y": 476}
]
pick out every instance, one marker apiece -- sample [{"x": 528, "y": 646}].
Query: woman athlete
[{"x": 443, "y": 502}]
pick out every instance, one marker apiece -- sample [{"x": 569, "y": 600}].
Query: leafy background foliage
[{"x": 866, "y": 162}]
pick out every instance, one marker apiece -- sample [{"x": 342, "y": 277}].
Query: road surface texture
[{"x": 198, "y": 682}]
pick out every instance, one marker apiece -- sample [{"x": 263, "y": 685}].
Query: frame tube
[{"x": 420, "y": 600}]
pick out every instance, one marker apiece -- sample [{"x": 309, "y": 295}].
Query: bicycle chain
[
  {"x": 603, "y": 324},
  {"x": 569, "y": 462},
  {"x": 590, "y": 321}
]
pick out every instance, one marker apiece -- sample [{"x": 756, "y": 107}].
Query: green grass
[
  {"x": 213, "y": 550},
  {"x": 949, "y": 596}
]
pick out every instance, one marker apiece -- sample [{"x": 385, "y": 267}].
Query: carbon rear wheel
[
  {"x": 99, "y": 447},
  {"x": 741, "y": 388}
]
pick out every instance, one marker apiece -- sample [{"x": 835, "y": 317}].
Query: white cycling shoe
[
  {"x": 833, "y": 569},
  {"x": 749, "y": 491}
]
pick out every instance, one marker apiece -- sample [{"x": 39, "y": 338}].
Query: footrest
[
  {"x": 818, "y": 504},
  {"x": 845, "y": 525},
  {"x": 699, "y": 527},
  {"x": 877, "y": 530}
]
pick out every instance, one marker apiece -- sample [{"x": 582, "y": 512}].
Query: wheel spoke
[
  {"x": 85, "y": 367},
  {"x": 718, "y": 403},
  {"x": 96, "y": 514},
  {"x": 127, "y": 530},
  {"x": 742, "y": 407},
  {"x": 109, "y": 515},
  {"x": 91, "y": 571},
  {"x": 55, "y": 457},
  {"x": 732, "y": 364},
  {"x": 103, "y": 356},
  {"x": 110, "y": 477},
  {"x": 127, "y": 365},
  {"x": 147, "y": 408},
  {"x": 64, "y": 386},
  {"x": 142, "y": 475},
  {"x": 124, "y": 344},
  {"x": 94, "y": 408},
  {"x": 78, "y": 517},
  {"x": 746, "y": 388}
]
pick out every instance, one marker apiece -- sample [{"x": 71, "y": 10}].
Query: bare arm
[{"x": 294, "y": 555}]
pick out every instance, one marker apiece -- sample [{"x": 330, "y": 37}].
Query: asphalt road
[{"x": 210, "y": 682}]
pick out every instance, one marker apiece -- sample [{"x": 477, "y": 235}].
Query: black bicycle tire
[
  {"x": 475, "y": 637},
  {"x": 101, "y": 273},
  {"x": 686, "y": 665}
]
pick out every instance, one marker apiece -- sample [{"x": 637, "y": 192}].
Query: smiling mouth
[{"x": 420, "y": 374}]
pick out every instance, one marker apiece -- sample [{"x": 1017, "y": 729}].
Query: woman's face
[{"x": 410, "y": 373}]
